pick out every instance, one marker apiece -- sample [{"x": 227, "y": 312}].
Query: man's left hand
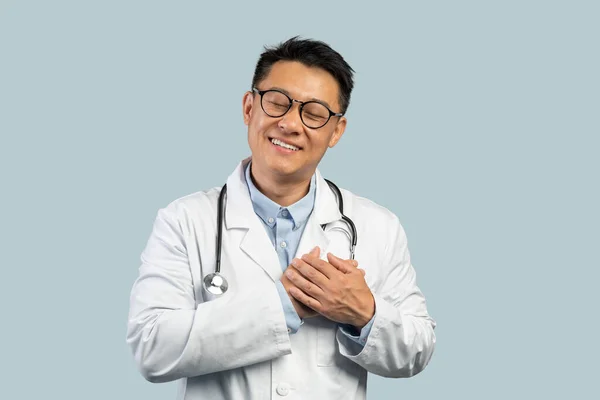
[{"x": 332, "y": 289}]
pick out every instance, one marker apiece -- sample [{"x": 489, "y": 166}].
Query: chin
[{"x": 282, "y": 167}]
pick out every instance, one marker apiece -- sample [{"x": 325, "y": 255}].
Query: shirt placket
[{"x": 283, "y": 228}]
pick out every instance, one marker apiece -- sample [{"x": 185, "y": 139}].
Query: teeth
[{"x": 285, "y": 145}]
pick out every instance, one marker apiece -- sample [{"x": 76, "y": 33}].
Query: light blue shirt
[{"x": 285, "y": 225}]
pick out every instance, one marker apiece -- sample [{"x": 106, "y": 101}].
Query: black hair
[{"x": 312, "y": 53}]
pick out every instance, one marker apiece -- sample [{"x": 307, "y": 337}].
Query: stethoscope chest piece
[{"x": 215, "y": 283}]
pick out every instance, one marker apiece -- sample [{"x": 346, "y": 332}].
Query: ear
[
  {"x": 247, "y": 103},
  {"x": 338, "y": 131}
]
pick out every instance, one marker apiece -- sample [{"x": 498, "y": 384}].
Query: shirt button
[
  {"x": 284, "y": 213},
  {"x": 271, "y": 220},
  {"x": 283, "y": 389},
  {"x": 283, "y": 244}
]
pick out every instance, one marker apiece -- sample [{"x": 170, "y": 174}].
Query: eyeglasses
[{"x": 312, "y": 113}]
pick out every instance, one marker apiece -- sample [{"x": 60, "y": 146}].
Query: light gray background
[{"x": 476, "y": 122}]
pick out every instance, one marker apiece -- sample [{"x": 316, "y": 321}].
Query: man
[{"x": 298, "y": 319}]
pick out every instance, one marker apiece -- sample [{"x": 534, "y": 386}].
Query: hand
[
  {"x": 302, "y": 310},
  {"x": 335, "y": 289}
]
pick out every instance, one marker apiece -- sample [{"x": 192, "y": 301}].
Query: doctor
[{"x": 300, "y": 319}]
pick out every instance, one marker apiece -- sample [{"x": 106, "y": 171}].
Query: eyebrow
[{"x": 312, "y": 99}]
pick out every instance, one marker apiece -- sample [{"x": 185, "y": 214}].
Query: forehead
[{"x": 302, "y": 82}]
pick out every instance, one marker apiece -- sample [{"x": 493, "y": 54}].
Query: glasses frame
[{"x": 292, "y": 101}]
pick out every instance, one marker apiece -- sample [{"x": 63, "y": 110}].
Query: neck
[{"x": 281, "y": 190}]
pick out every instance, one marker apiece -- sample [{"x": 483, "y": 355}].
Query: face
[{"x": 300, "y": 83}]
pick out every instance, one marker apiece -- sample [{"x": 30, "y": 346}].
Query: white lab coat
[{"x": 237, "y": 346}]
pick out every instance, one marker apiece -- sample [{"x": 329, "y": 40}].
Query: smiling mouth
[{"x": 279, "y": 143}]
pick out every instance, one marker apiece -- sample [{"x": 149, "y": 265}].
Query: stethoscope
[{"x": 216, "y": 283}]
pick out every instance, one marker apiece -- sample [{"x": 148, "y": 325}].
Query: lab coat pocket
[{"x": 326, "y": 343}]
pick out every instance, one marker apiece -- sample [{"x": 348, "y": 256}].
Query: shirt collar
[{"x": 266, "y": 208}]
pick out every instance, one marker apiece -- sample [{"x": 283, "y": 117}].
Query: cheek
[
  {"x": 261, "y": 125},
  {"x": 326, "y": 140}
]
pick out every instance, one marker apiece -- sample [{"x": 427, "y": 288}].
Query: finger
[
  {"x": 320, "y": 265},
  {"x": 362, "y": 271},
  {"x": 345, "y": 266},
  {"x": 316, "y": 252},
  {"x": 306, "y": 278},
  {"x": 309, "y": 272},
  {"x": 351, "y": 262},
  {"x": 304, "y": 299}
]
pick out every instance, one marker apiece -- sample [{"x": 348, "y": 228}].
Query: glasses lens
[
  {"x": 315, "y": 115},
  {"x": 275, "y": 104}
]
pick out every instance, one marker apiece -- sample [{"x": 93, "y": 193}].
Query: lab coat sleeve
[
  {"x": 171, "y": 337},
  {"x": 350, "y": 332},
  {"x": 402, "y": 340}
]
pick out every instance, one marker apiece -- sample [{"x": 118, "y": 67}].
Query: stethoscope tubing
[{"x": 221, "y": 212}]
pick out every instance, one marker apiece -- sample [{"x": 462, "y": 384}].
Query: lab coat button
[{"x": 283, "y": 389}]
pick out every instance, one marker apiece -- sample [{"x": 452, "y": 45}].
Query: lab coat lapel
[
  {"x": 240, "y": 215},
  {"x": 325, "y": 211}
]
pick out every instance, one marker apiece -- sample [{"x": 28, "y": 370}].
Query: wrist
[{"x": 366, "y": 315}]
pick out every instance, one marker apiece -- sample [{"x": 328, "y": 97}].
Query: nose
[{"x": 291, "y": 121}]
